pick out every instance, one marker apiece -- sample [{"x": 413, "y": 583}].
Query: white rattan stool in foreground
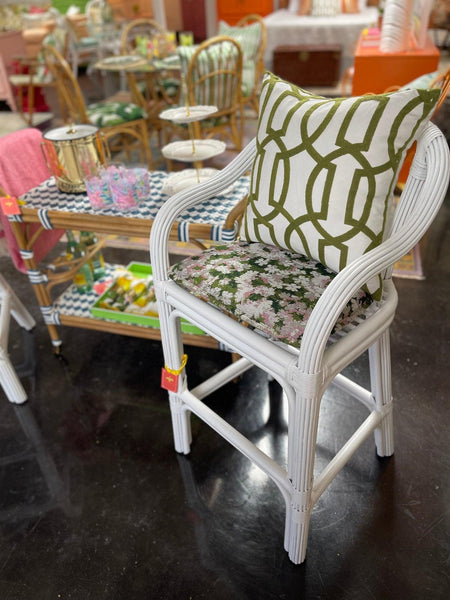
[{"x": 307, "y": 364}]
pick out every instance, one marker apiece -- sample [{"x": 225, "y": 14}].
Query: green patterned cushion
[
  {"x": 104, "y": 114},
  {"x": 249, "y": 38},
  {"x": 269, "y": 288},
  {"x": 325, "y": 169}
]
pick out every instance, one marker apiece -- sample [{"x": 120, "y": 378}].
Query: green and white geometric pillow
[
  {"x": 249, "y": 39},
  {"x": 325, "y": 169}
]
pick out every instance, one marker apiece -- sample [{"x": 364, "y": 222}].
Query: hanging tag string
[{"x": 178, "y": 371}]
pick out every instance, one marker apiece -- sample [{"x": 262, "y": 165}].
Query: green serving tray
[{"x": 138, "y": 270}]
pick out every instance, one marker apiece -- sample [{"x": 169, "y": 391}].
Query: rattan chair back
[
  {"x": 252, "y": 99},
  {"x": 147, "y": 28},
  {"x": 214, "y": 77}
]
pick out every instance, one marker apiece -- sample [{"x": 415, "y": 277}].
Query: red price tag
[
  {"x": 169, "y": 381},
  {"x": 10, "y": 206}
]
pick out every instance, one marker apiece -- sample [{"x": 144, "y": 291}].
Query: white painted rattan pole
[
  {"x": 355, "y": 390},
  {"x": 345, "y": 453},
  {"x": 9, "y": 380},
  {"x": 17, "y": 309},
  {"x": 236, "y": 439},
  {"x": 5, "y": 316},
  {"x": 221, "y": 378}
]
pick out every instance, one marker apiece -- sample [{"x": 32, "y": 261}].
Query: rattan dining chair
[
  {"x": 213, "y": 76},
  {"x": 139, "y": 29},
  {"x": 81, "y": 47},
  {"x": 307, "y": 289},
  {"x": 153, "y": 90},
  {"x": 251, "y": 33},
  {"x": 108, "y": 116},
  {"x": 32, "y": 74},
  {"x": 102, "y": 27}
]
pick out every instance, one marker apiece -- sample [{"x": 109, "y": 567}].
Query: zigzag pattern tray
[{"x": 47, "y": 197}]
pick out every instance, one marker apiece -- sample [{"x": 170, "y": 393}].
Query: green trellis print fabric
[
  {"x": 249, "y": 38},
  {"x": 104, "y": 114},
  {"x": 266, "y": 287},
  {"x": 325, "y": 169}
]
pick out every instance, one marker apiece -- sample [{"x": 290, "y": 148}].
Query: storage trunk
[{"x": 308, "y": 65}]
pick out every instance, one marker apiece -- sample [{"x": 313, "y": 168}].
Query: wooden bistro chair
[
  {"x": 213, "y": 75},
  {"x": 81, "y": 47},
  {"x": 251, "y": 33},
  {"x": 151, "y": 89},
  {"x": 137, "y": 33},
  {"x": 307, "y": 289},
  {"x": 32, "y": 73},
  {"x": 108, "y": 116}
]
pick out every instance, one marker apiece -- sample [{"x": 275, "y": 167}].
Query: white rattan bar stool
[
  {"x": 322, "y": 178},
  {"x": 10, "y": 305}
]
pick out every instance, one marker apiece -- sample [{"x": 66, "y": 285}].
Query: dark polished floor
[{"x": 96, "y": 505}]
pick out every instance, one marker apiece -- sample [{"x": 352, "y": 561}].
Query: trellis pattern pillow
[{"x": 325, "y": 169}]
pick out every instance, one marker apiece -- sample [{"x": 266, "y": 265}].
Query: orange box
[{"x": 376, "y": 71}]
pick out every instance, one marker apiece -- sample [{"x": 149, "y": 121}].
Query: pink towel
[{"x": 22, "y": 167}]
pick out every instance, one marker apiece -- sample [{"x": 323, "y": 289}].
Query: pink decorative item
[
  {"x": 118, "y": 187},
  {"x": 97, "y": 188}
]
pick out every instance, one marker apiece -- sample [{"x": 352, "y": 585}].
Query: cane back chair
[
  {"x": 310, "y": 288},
  {"x": 213, "y": 74},
  {"x": 251, "y": 33},
  {"x": 81, "y": 47},
  {"x": 139, "y": 29},
  {"x": 108, "y": 116},
  {"x": 153, "y": 89},
  {"x": 33, "y": 75}
]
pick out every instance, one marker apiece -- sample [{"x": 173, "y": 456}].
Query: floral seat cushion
[
  {"x": 107, "y": 114},
  {"x": 269, "y": 288}
]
